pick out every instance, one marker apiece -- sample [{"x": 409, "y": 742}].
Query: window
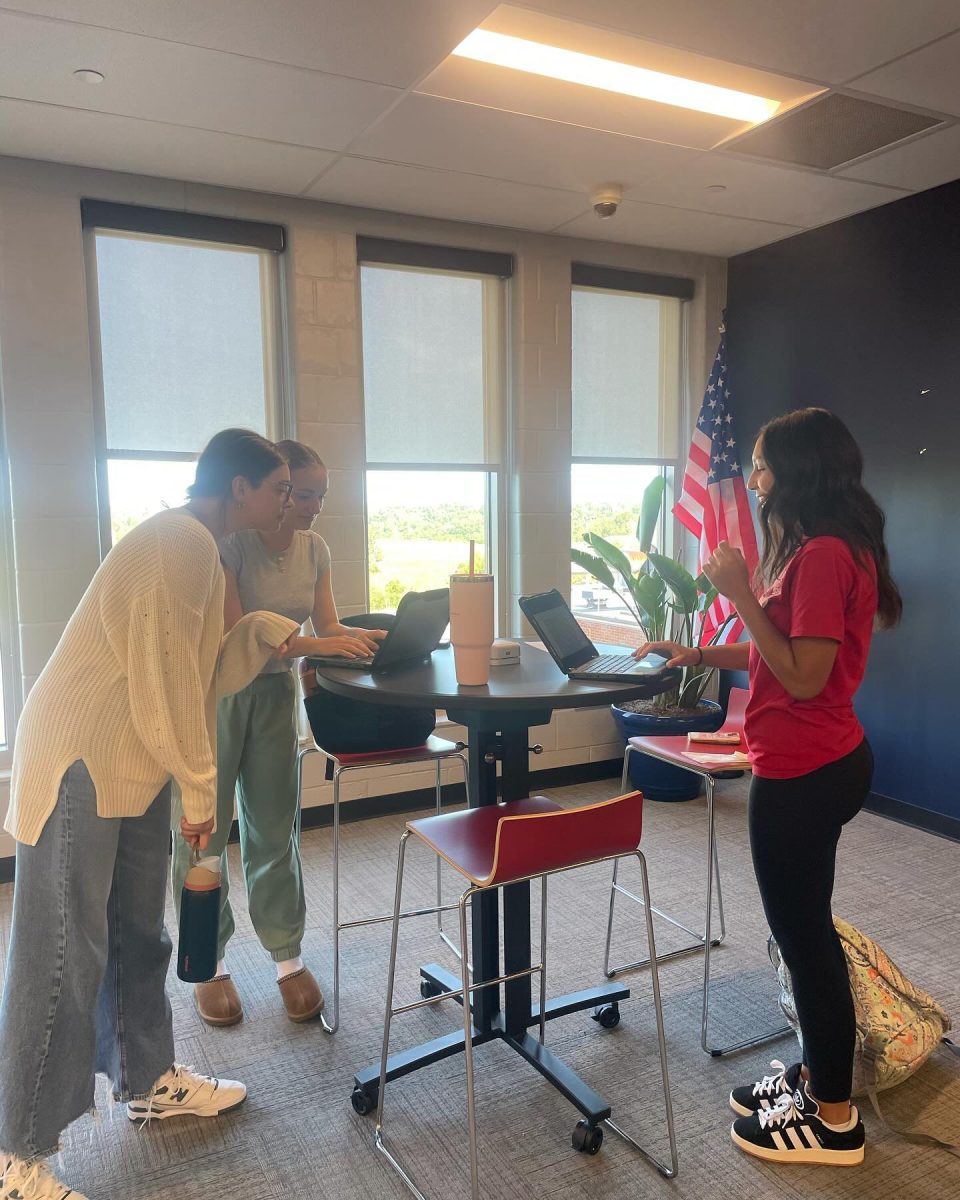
[
  {"x": 433, "y": 383},
  {"x": 627, "y": 411},
  {"x": 8, "y": 660},
  {"x": 187, "y": 346}
]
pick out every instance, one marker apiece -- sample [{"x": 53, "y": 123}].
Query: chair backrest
[
  {"x": 533, "y": 844},
  {"x": 736, "y": 707}
]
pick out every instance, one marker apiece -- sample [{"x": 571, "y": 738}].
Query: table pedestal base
[{"x": 553, "y": 1069}]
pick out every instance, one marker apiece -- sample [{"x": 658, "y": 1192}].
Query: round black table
[{"x": 498, "y": 718}]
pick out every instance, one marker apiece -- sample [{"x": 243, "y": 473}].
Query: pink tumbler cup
[{"x": 471, "y": 627}]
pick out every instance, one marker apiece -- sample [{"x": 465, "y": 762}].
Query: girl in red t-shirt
[{"x": 823, "y": 584}]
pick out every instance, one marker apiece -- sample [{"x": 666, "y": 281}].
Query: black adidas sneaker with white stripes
[
  {"x": 747, "y": 1100},
  {"x": 793, "y": 1132}
]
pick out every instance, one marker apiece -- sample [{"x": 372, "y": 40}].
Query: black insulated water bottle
[{"x": 199, "y": 920}]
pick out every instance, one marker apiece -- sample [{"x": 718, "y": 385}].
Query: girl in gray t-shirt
[{"x": 286, "y": 572}]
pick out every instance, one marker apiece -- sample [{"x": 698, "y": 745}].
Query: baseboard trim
[
  {"x": 917, "y": 818},
  {"x": 401, "y": 802}
]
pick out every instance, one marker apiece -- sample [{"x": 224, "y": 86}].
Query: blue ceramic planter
[{"x": 659, "y": 780}]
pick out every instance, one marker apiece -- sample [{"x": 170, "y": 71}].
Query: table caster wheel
[
  {"x": 607, "y": 1015},
  {"x": 429, "y": 990},
  {"x": 587, "y": 1139},
  {"x": 363, "y": 1102}
]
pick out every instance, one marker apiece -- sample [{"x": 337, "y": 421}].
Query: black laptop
[
  {"x": 415, "y": 633},
  {"x": 572, "y": 650}
]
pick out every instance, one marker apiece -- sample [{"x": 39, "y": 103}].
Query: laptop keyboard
[{"x": 607, "y": 663}]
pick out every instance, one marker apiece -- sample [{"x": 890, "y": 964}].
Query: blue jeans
[{"x": 86, "y": 967}]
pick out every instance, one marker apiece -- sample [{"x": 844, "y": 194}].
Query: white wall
[{"x": 45, "y": 374}]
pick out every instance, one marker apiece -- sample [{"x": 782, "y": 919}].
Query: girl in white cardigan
[{"x": 126, "y": 703}]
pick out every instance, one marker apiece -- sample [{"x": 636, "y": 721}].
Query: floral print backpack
[{"x": 898, "y": 1025}]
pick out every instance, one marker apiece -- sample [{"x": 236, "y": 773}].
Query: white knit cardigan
[{"x": 132, "y": 686}]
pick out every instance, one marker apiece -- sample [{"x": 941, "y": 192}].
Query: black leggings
[{"x": 795, "y": 825}]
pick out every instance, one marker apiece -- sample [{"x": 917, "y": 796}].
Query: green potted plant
[{"x": 668, "y": 604}]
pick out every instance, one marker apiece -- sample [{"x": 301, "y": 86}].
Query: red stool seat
[
  {"x": 672, "y": 749},
  {"x": 433, "y": 747},
  {"x": 500, "y": 843}
]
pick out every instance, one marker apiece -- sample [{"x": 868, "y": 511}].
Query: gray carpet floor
[{"x": 297, "y": 1135}]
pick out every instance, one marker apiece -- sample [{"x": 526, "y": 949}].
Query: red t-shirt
[{"x": 823, "y": 592}]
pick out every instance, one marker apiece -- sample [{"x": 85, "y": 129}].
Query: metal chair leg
[
  {"x": 669, "y": 1172},
  {"x": 468, "y": 1048},
  {"x": 720, "y": 1051},
  {"x": 331, "y": 1025},
  {"x": 543, "y": 961},
  {"x": 379, "y": 1140},
  {"x": 445, "y": 937},
  {"x": 694, "y": 947}
]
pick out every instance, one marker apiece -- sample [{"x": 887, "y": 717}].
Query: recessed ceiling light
[
  {"x": 87, "y": 76},
  {"x": 519, "y": 54}
]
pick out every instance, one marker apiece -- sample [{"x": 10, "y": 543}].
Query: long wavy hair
[{"x": 817, "y": 491}]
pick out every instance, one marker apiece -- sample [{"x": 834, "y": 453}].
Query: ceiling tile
[
  {"x": 676, "y": 229},
  {"x": 483, "y": 141},
  {"x": 929, "y": 78},
  {"x": 395, "y": 43},
  {"x": 486, "y": 141},
  {"x": 923, "y": 163},
  {"x": 763, "y": 192},
  {"x": 181, "y": 85},
  {"x": 819, "y": 39},
  {"x": 444, "y": 194},
  {"x": 89, "y": 139}
]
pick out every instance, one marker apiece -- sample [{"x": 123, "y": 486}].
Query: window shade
[
  {"x": 425, "y": 377},
  {"x": 626, "y": 375},
  {"x": 181, "y": 342}
]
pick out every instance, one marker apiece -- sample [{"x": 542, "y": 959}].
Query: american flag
[{"x": 713, "y": 503}]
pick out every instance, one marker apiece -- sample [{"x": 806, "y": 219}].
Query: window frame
[
  {"x": 160, "y": 225},
  {"x": 493, "y": 270},
  {"x": 585, "y": 277}
]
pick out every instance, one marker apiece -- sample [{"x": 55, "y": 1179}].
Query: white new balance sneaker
[
  {"x": 182, "y": 1091},
  {"x": 21, "y": 1180}
]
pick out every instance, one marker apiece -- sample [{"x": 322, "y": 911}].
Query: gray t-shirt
[{"x": 279, "y": 583}]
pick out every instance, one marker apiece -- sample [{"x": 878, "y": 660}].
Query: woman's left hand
[
  {"x": 285, "y": 650},
  {"x": 727, "y": 570},
  {"x": 196, "y": 833}
]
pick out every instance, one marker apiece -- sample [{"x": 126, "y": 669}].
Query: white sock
[
  {"x": 847, "y": 1125},
  {"x": 288, "y": 966}
]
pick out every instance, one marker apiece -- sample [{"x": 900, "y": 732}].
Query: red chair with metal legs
[
  {"x": 671, "y": 750},
  {"x": 435, "y": 751},
  {"x": 504, "y": 844}
]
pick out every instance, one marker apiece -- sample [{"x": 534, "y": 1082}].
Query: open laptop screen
[{"x": 551, "y": 617}]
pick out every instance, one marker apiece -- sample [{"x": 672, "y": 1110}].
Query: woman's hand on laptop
[
  {"x": 675, "y": 654},
  {"x": 371, "y": 638},
  {"x": 338, "y": 645}
]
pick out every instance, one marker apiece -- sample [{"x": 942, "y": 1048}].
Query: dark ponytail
[{"x": 230, "y": 453}]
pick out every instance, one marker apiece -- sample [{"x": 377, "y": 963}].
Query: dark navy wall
[{"x": 863, "y": 317}]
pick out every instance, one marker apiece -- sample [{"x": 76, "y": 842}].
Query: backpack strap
[{"x": 868, "y": 1058}]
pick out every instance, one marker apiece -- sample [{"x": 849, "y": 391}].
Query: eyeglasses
[{"x": 283, "y": 487}]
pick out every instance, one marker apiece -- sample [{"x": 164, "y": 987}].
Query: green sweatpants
[{"x": 257, "y": 760}]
